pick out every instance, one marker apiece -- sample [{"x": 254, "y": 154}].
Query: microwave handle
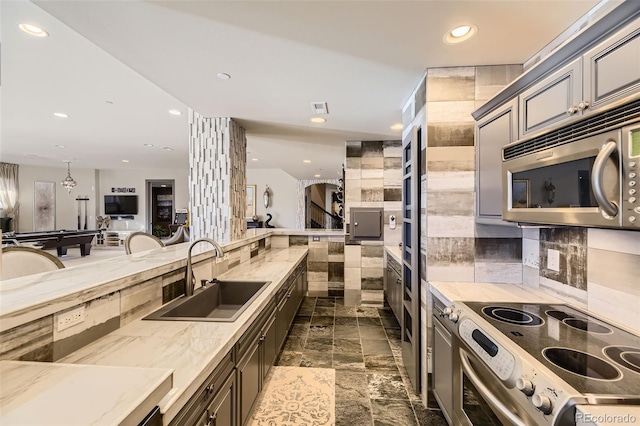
[
  {"x": 491, "y": 398},
  {"x": 597, "y": 177}
]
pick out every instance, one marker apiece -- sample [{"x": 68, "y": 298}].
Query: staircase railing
[{"x": 320, "y": 218}]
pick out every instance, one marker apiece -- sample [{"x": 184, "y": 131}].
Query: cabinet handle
[
  {"x": 572, "y": 110},
  {"x": 583, "y": 105},
  {"x": 211, "y": 421},
  {"x": 208, "y": 389},
  {"x": 264, "y": 336}
]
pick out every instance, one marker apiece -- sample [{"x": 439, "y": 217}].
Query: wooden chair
[
  {"x": 19, "y": 261},
  {"x": 141, "y": 241}
]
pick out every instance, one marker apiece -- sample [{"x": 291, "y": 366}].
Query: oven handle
[
  {"x": 597, "y": 177},
  {"x": 491, "y": 398}
]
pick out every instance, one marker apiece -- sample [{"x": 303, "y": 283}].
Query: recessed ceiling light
[
  {"x": 306, "y": 161},
  {"x": 460, "y": 34},
  {"x": 318, "y": 120},
  {"x": 254, "y": 159},
  {"x": 316, "y": 175},
  {"x": 175, "y": 112},
  {"x": 148, "y": 145},
  {"x": 59, "y": 146},
  {"x": 397, "y": 126},
  {"x": 163, "y": 186},
  {"x": 166, "y": 148},
  {"x": 33, "y": 30},
  {"x": 61, "y": 114},
  {"x": 223, "y": 76},
  {"x": 125, "y": 161}
]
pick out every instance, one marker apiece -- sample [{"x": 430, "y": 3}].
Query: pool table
[{"x": 59, "y": 240}]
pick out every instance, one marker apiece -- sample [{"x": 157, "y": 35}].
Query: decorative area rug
[{"x": 297, "y": 396}]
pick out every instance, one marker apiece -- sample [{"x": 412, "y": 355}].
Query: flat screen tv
[{"x": 120, "y": 204}]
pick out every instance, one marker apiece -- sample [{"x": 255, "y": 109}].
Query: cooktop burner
[
  {"x": 512, "y": 316},
  {"x": 625, "y": 356},
  {"x": 579, "y": 323},
  {"x": 581, "y": 363}
]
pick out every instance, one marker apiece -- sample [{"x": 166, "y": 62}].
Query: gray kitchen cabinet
[
  {"x": 255, "y": 349},
  {"x": 393, "y": 287},
  {"x": 492, "y": 133},
  {"x": 216, "y": 398},
  {"x": 221, "y": 411},
  {"x": 612, "y": 68},
  {"x": 443, "y": 368},
  {"x": 604, "y": 74},
  {"x": 553, "y": 100}
]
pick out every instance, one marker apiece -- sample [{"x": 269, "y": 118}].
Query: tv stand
[{"x": 126, "y": 217}]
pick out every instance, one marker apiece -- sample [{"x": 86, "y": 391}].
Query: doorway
[
  {"x": 322, "y": 201},
  {"x": 160, "y": 206}
]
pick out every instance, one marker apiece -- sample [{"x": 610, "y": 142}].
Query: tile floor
[{"x": 362, "y": 344}]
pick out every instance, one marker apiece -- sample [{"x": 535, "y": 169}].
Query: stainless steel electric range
[{"x": 533, "y": 363}]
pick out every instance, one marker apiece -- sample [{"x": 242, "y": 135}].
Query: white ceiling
[{"x": 362, "y": 57}]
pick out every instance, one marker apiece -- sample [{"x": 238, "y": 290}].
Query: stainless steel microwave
[{"x": 583, "y": 175}]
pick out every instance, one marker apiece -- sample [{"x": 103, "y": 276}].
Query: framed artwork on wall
[
  {"x": 44, "y": 206},
  {"x": 251, "y": 201}
]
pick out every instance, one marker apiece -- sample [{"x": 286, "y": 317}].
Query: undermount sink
[{"x": 220, "y": 301}]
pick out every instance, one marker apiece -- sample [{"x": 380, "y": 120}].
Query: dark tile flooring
[{"x": 363, "y": 345}]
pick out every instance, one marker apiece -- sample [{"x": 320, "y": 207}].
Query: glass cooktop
[{"x": 592, "y": 356}]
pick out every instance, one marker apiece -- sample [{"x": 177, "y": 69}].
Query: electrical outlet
[
  {"x": 553, "y": 260},
  {"x": 316, "y": 238},
  {"x": 71, "y": 318}
]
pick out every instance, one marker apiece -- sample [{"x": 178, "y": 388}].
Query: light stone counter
[
  {"x": 62, "y": 394},
  {"x": 191, "y": 349},
  {"x": 395, "y": 252},
  {"x": 449, "y": 292}
]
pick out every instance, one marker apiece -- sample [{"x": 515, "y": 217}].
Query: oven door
[
  {"x": 573, "y": 184},
  {"x": 480, "y": 398}
]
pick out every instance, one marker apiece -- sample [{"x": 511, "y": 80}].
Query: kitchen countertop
[
  {"x": 450, "y": 292},
  {"x": 24, "y": 299},
  {"x": 62, "y": 394},
  {"x": 395, "y": 252},
  {"x": 191, "y": 349}
]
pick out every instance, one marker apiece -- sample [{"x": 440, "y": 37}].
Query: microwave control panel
[{"x": 631, "y": 179}]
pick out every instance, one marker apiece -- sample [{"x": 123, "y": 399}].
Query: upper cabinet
[
  {"x": 553, "y": 100},
  {"x": 492, "y": 133},
  {"x": 606, "y": 73},
  {"x": 612, "y": 68}
]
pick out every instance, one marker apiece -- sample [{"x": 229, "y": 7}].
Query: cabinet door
[
  {"x": 553, "y": 100},
  {"x": 221, "y": 411},
  {"x": 612, "y": 68},
  {"x": 492, "y": 133},
  {"x": 443, "y": 368},
  {"x": 270, "y": 346},
  {"x": 249, "y": 381}
]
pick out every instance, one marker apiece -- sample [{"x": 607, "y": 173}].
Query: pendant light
[{"x": 68, "y": 182}]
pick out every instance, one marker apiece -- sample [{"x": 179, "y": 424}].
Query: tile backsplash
[{"x": 599, "y": 269}]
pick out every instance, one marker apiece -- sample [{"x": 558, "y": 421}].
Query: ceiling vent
[{"x": 319, "y": 108}]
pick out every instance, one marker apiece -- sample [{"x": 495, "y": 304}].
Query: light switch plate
[{"x": 553, "y": 260}]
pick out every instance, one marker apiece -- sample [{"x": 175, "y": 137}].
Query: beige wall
[
  {"x": 284, "y": 196},
  {"x": 94, "y": 184}
]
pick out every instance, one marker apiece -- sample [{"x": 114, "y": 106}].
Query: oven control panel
[{"x": 501, "y": 361}]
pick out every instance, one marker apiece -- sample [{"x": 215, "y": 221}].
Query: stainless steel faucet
[{"x": 189, "y": 278}]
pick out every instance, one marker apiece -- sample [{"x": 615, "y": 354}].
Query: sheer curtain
[{"x": 9, "y": 191}]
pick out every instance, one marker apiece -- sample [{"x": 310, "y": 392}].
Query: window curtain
[{"x": 9, "y": 192}]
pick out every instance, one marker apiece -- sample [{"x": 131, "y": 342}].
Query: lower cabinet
[
  {"x": 393, "y": 287},
  {"x": 229, "y": 394}
]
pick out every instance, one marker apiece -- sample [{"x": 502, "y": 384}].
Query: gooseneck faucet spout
[{"x": 190, "y": 283}]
